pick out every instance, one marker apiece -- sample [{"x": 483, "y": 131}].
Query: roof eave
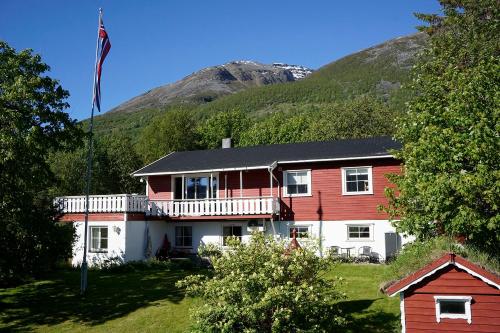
[{"x": 243, "y": 168}]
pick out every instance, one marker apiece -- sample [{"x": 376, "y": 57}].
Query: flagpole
[{"x": 83, "y": 277}]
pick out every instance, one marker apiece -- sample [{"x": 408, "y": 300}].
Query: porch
[{"x": 133, "y": 203}]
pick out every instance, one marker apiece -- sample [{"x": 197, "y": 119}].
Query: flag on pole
[{"x": 104, "y": 45}]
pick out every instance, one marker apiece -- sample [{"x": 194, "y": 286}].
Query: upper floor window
[
  {"x": 195, "y": 187},
  {"x": 98, "y": 239},
  {"x": 297, "y": 182},
  {"x": 357, "y": 181}
]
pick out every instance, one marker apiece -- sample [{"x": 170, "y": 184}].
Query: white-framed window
[
  {"x": 231, "y": 231},
  {"x": 296, "y": 183},
  {"x": 303, "y": 231},
  {"x": 195, "y": 186},
  {"x": 183, "y": 236},
  {"x": 357, "y": 180},
  {"x": 359, "y": 232},
  {"x": 453, "y": 307},
  {"x": 99, "y": 239}
]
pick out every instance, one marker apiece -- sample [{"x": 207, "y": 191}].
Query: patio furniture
[
  {"x": 365, "y": 252},
  {"x": 334, "y": 251},
  {"x": 346, "y": 251}
]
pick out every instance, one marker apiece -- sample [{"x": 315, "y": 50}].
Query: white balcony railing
[
  {"x": 119, "y": 203},
  {"x": 173, "y": 208},
  {"x": 215, "y": 207}
]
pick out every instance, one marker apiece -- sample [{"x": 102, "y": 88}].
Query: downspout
[{"x": 271, "y": 169}]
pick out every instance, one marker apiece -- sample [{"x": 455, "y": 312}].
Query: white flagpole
[{"x": 83, "y": 277}]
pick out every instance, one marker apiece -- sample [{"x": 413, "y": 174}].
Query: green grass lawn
[{"x": 148, "y": 301}]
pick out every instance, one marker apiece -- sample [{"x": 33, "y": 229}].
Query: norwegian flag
[{"x": 104, "y": 45}]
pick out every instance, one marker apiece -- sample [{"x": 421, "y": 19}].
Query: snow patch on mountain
[{"x": 299, "y": 72}]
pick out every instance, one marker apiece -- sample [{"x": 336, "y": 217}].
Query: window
[
  {"x": 357, "y": 181},
  {"x": 358, "y": 232},
  {"x": 297, "y": 183},
  {"x": 230, "y": 231},
  {"x": 453, "y": 307},
  {"x": 98, "y": 239},
  {"x": 195, "y": 187},
  {"x": 302, "y": 231},
  {"x": 183, "y": 236}
]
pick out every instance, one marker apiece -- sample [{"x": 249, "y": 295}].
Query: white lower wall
[
  {"x": 116, "y": 243},
  {"x": 334, "y": 233},
  {"x": 136, "y": 238},
  {"x": 205, "y": 232},
  {"x": 127, "y": 239}
]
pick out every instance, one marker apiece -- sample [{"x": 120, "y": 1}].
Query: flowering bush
[{"x": 258, "y": 287}]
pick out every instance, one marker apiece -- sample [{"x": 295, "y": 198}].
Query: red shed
[{"x": 450, "y": 294}]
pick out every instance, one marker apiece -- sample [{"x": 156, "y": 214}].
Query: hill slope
[
  {"x": 210, "y": 83},
  {"x": 379, "y": 70}
]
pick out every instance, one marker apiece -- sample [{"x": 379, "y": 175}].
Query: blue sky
[{"x": 157, "y": 42}]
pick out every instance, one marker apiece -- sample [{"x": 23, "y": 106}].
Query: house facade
[
  {"x": 451, "y": 294},
  {"x": 326, "y": 191}
]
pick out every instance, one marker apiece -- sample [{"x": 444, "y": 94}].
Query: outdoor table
[{"x": 346, "y": 250}]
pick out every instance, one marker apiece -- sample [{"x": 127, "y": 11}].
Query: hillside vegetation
[{"x": 379, "y": 71}]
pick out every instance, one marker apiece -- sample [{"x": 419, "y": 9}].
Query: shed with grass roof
[{"x": 451, "y": 294}]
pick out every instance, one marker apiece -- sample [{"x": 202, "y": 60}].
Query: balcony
[
  {"x": 113, "y": 203},
  {"x": 128, "y": 203}
]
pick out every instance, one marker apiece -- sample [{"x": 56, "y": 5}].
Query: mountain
[
  {"x": 380, "y": 70},
  {"x": 213, "y": 82}
]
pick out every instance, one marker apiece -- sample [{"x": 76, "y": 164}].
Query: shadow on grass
[
  {"x": 109, "y": 296},
  {"x": 360, "y": 319}
]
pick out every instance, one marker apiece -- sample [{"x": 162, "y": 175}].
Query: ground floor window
[
  {"x": 230, "y": 230},
  {"x": 302, "y": 231},
  {"x": 453, "y": 307},
  {"x": 358, "y": 232},
  {"x": 183, "y": 236},
  {"x": 98, "y": 239}
]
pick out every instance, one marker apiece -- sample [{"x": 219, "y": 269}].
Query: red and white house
[
  {"x": 328, "y": 191},
  {"x": 451, "y": 294}
]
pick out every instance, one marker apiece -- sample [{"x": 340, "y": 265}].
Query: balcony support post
[{"x": 241, "y": 183}]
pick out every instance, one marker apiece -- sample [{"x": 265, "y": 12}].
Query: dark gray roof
[{"x": 259, "y": 156}]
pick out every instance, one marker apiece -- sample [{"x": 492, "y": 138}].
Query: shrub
[{"x": 256, "y": 287}]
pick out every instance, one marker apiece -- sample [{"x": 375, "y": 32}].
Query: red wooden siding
[
  {"x": 420, "y": 311},
  {"x": 255, "y": 184},
  {"x": 326, "y": 201},
  {"x": 159, "y": 187},
  {"x": 118, "y": 217}
]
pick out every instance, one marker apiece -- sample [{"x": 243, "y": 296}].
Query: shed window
[{"x": 453, "y": 307}]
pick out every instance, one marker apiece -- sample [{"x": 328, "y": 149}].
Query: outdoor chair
[
  {"x": 334, "y": 251},
  {"x": 365, "y": 253}
]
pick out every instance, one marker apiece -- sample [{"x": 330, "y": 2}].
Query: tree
[
  {"x": 450, "y": 132},
  {"x": 227, "y": 124},
  {"x": 256, "y": 287},
  {"x": 32, "y": 123},
  {"x": 123, "y": 161},
  {"x": 360, "y": 117},
  {"x": 279, "y": 127},
  {"x": 173, "y": 131}
]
